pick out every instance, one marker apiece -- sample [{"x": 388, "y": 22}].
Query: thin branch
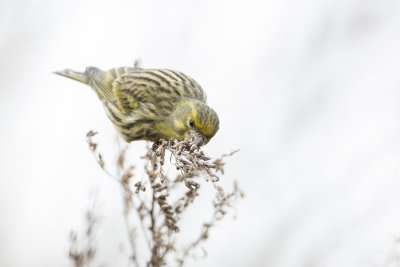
[{"x": 157, "y": 217}]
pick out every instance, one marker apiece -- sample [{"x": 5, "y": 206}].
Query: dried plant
[
  {"x": 83, "y": 248},
  {"x": 159, "y": 201}
]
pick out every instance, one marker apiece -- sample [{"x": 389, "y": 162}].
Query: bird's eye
[{"x": 191, "y": 123}]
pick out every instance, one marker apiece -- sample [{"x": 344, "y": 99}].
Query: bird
[{"x": 151, "y": 104}]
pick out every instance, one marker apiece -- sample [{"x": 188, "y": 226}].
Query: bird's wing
[
  {"x": 97, "y": 79},
  {"x": 157, "y": 86}
]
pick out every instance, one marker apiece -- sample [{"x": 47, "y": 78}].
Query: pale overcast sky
[{"x": 308, "y": 90}]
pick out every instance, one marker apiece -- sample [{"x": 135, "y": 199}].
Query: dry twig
[
  {"x": 150, "y": 199},
  {"x": 83, "y": 248}
]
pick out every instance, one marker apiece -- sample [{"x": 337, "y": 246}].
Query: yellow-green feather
[{"x": 149, "y": 104}]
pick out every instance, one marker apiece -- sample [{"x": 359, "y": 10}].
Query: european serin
[{"x": 150, "y": 104}]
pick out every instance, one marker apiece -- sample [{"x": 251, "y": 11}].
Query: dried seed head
[{"x": 158, "y": 214}]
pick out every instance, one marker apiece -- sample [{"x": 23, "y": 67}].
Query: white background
[{"x": 308, "y": 90}]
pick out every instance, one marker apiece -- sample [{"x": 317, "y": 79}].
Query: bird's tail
[
  {"x": 95, "y": 78},
  {"x": 74, "y": 75}
]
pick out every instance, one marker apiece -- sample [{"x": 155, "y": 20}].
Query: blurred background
[{"x": 309, "y": 91}]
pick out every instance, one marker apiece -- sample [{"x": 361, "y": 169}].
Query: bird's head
[{"x": 195, "y": 120}]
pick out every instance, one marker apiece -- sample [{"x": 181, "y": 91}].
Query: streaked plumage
[{"x": 150, "y": 104}]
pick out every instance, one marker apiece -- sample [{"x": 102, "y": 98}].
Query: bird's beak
[{"x": 198, "y": 140}]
